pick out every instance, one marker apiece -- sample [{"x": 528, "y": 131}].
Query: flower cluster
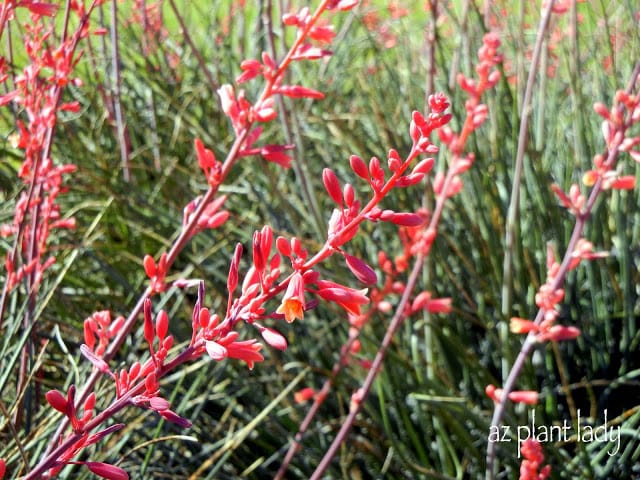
[
  {"x": 531, "y": 467},
  {"x": 67, "y": 406},
  {"x": 37, "y": 94},
  {"x": 138, "y": 385},
  {"x": 549, "y": 297}
]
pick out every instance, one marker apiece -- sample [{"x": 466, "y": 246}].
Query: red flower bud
[
  {"x": 148, "y": 322},
  {"x": 57, "y": 400},
  {"x": 359, "y": 167},
  {"x": 332, "y": 185},
  {"x": 104, "y": 470},
  {"x": 159, "y": 403},
  {"x": 361, "y": 270},
  {"x": 162, "y": 324},
  {"x": 173, "y": 417},
  {"x": 273, "y": 338}
]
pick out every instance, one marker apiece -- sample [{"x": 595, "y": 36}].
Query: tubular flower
[{"x": 293, "y": 303}]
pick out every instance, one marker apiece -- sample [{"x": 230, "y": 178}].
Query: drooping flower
[
  {"x": 528, "y": 397},
  {"x": 304, "y": 395},
  {"x": 293, "y": 303}
]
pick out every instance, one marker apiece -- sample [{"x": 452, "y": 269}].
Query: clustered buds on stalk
[
  {"x": 531, "y": 467},
  {"x": 548, "y": 298},
  {"x": 38, "y": 91},
  {"x": 550, "y": 294},
  {"x": 66, "y": 406},
  {"x": 615, "y": 130}
]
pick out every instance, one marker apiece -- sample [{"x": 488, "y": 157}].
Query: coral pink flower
[
  {"x": 293, "y": 304},
  {"x": 348, "y": 298},
  {"x": 304, "y": 395},
  {"x": 533, "y": 458},
  {"x": 529, "y": 397},
  {"x": 247, "y": 350}
]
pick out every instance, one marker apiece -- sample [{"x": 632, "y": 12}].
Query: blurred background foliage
[{"x": 428, "y": 415}]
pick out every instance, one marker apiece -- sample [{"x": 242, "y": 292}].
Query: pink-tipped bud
[
  {"x": 492, "y": 392},
  {"x": 268, "y": 61},
  {"x": 404, "y": 219},
  {"x": 151, "y": 383},
  {"x": 463, "y": 164},
  {"x": 204, "y": 317},
  {"x": 173, "y": 417},
  {"x": 97, "y": 362},
  {"x": 494, "y": 77},
  {"x": 258, "y": 259},
  {"x": 394, "y": 161},
  {"x": 90, "y": 402},
  {"x": 290, "y": 19},
  {"x": 435, "y": 305},
  {"x": 375, "y": 169},
  {"x": 528, "y": 397},
  {"x": 134, "y": 371},
  {"x": 283, "y": 246},
  {"x": 266, "y": 241},
  {"x": 216, "y": 351},
  {"x": 558, "y": 333},
  {"x": 626, "y": 182},
  {"x": 274, "y": 338},
  {"x": 424, "y": 166},
  {"x": 232, "y": 278},
  {"x": 602, "y": 110},
  {"x": 408, "y": 180},
  {"x": 455, "y": 186},
  {"x": 159, "y": 403},
  {"x": 89, "y": 337}
]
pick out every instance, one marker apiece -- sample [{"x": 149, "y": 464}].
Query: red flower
[
  {"x": 247, "y": 350},
  {"x": 304, "y": 395},
  {"x": 529, "y": 397},
  {"x": 533, "y": 458},
  {"x": 348, "y": 298}
]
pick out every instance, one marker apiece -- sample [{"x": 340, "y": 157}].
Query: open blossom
[
  {"x": 304, "y": 395},
  {"x": 348, "y": 298},
  {"x": 293, "y": 304},
  {"x": 228, "y": 347}
]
